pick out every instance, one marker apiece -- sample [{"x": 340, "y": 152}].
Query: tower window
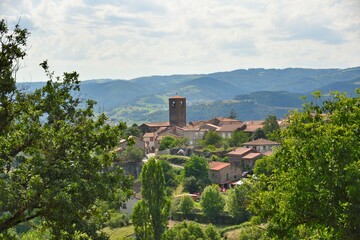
[
  {"x": 173, "y": 104},
  {"x": 181, "y": 103}
]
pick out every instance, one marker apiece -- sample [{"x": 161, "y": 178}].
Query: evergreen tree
[{"x": 152, "y": 212}]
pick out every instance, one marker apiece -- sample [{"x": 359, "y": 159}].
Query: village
[{"x": 227, "y": 165}]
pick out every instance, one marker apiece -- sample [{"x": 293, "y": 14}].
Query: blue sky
[{"x": 124, "y": 39}]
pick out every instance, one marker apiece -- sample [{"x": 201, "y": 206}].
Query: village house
[
  {"x": 243, "y": 158},
  {"x": 227, "y": 130},
  {"x": 261, "y": 145},
  {"x": 153, "y": 127},
  {"x": 252, "y": 126},
  {"x": 223, "y": 174}
]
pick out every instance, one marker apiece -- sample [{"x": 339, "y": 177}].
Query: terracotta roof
[
  {"x": 158, "y": 124},
  {"x": 161, "y": 129},
  {"x": 260, "y": 142},
  {"x": 230, "y": 127},
  {"x": 252, "y": 155},
  {"x": 218, "y": 165},
  {"x": 255, "y": 122},
  {"x": 250, "y": 127},
  {"x": 177, "y": 96},
  {"x": 268, "y": 153},
  {"x": 150, "y": 134},
  {"x": 241, "y": 151},
  {"x": 211, "y": 126}
]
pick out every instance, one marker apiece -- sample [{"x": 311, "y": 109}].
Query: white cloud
[{"x": 126, "y": 39}]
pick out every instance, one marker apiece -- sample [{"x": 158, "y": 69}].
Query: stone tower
[{"x": 177, "y": 111}]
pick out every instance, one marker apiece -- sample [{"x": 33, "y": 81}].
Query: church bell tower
[{"x": 177, "y": 111}]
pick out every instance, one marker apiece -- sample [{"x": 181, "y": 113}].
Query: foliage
[
  {"x": 211, "y": 233},
  {"x": 212, "y": 138},
  {"x": 174, "y": 159},
  {"x": 56, "y": 158},
  {"x": 251, "y": 232},
  {"x": 151, "y": 214},
  {"x": 265, "y": 165},
  {"x": 232, "y": 114},
  {"x": 198, "y": 168},
  {"x": 238, "y": 138},
  {"x": 133, "y": 131},
  {"x": 132, "y": 154},
  {"x": 238, "y": 200},
  {"x": 258, "y": 133},
  {"x": 118, "y": 219},
  {"x": 270, "y": 124},
  {"x": 314, "y": 190},
  {"x": 186, "y": 205},
  {"x": 191, "y": 231},
  {"x": 167, "y": 142},
  {"x": 191, "y": 184},
  {"x": 171, "y": 175},
  {"x": 212, "y": 202}
]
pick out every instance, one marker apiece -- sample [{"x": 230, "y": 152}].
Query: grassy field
[{"x": 119, "y": 233}]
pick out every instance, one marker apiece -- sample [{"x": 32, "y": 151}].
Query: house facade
[{"x": 261, "y": 145}]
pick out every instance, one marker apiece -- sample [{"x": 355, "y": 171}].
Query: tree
[
  {"x": 133, "y": 131},
  {"x": 211, "y": 233},
  {"x": 258, "y": 133},
  {"x": 270, "y": 124},
  {"x": 212, "y": 138},
  {"x": 191, "y": 230},
  {"x": 314, "y": 190},
  {"x": 265, "y": 165},
  {"x": 186, "y": 205},
  {"x": 197, "y": 167},
  {"x": 56, "y": 157},
  {"x": 237, "y": 202},
  {"x": 132, "y": 154},
  {"x": 167, "y": 142},
  {"x": 238, "y": 138},
  {"x": 212, "y": 202},
  {"x": 171, "y": 176},
  {"x": 152, "y": 212},
  {"x": 232, "y": 114}
]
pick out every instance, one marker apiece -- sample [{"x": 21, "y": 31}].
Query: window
[
  {"x": 151, "y": 139},
  {"x": 173, "y": 104}
]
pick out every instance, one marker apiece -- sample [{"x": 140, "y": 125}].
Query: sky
[{"x": 125, "y": 39}]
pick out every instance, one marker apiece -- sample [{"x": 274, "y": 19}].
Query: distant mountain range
[{"x": 252, "y": 94}]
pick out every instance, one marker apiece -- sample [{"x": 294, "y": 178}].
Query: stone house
[
  {"x": 261, "y": 145},
  {"x": 223, "y": 174},
  {"x": 226, "y": 131}
]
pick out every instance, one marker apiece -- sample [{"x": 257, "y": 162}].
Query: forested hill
[{"x": 254, "y": 93}]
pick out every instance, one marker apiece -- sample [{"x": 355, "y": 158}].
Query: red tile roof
[
  {"x": 231, "y": 127},
  {"x": 218, "y": 165},
  {"x": 158, "y": 124},
  {"x": 252, "y": 127},
  {"x": 150, "y": 134},
  {"x": 268, "y": 153},
  {"x": 252, "y": 156},
  {"x": 260, "y": 142},
  {"x": 240, "y": 151},
  {"x": 177, "y": 96}
]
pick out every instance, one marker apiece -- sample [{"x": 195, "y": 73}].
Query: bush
[
  {"x": 118, "y": 220},
  {"x": 186, "y": 205}
]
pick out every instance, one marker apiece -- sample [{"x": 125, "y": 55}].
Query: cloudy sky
[{"x": 124, "y": 39}]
